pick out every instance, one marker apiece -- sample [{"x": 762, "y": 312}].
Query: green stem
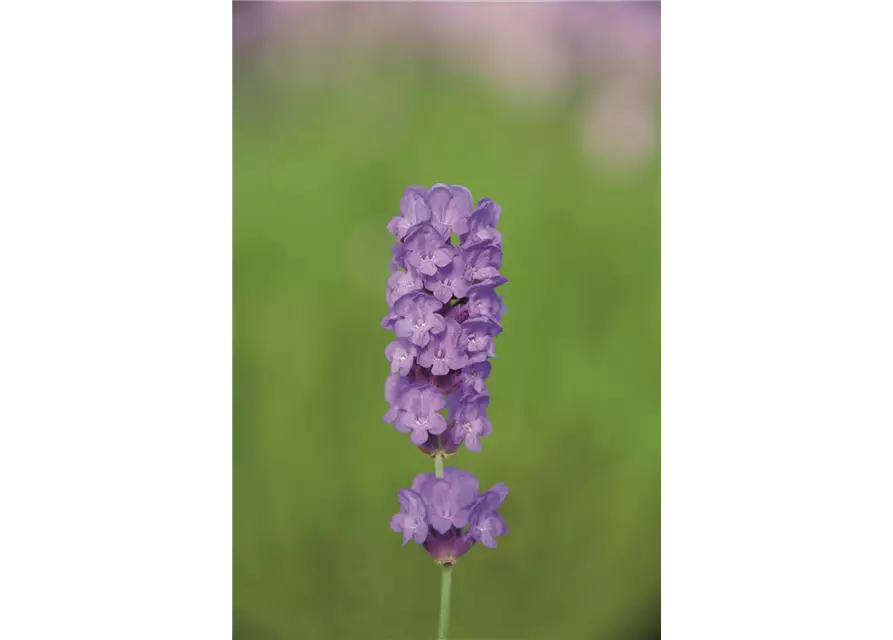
[
  {"x": 446, "y": 576},
  {"x": 438, "y": 465},
  {"x": 444, "y": 602}
]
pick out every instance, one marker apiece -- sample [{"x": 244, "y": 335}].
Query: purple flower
[
  {"x": 450, "y": 281},
  {"x": 426, "y": 251},
  {"x": 485, "y": 521},
  {"x": 482, "y": 224},
  {"x": 412, "y": 520},
  {"x": 400, "y": 283},
  {"x": 472, "y": 422},
  {"x": 402, "y": 354},
  {"x": 447, "y": 515},
  {"x": 482, "y": 262},
  {"x": 480, "y": 332},
  {"x": 473, "y": 376},
  {"x": 414, "y": 210},
  {"x": 449, "y": 499},
  {"x": 446, "y": 351},
  {"x": 394, "y": 387},
  {"x": 397, "y": 262},
  {"x": 417, "y": 318},
  {"x": 419, "y": 413},
  {"x": 484, "y": 301},
  {"x": 451, "y": 206}
]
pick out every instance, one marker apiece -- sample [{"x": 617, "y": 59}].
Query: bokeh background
[{"x": 551, "y": 109}]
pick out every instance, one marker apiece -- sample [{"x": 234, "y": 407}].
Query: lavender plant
[{"x": 444, "y": 311}]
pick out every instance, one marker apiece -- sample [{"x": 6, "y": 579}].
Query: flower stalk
[{"x": 444, "y": 311}]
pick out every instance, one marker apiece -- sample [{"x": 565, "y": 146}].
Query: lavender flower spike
[
  {"x": 445, "y": 313},
  {"x": 444, "y": 310}
]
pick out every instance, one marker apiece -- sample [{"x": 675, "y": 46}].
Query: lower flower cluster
[{"x": 447, "y": 515}]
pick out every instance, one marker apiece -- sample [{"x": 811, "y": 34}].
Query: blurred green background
[{"x": 320, "y": 161}]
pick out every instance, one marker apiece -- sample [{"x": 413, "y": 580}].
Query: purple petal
[
  {"x": 460, "y": 287},
  {"x": 442, "y": 257},
  {"x": 442, "y": 292},
  {"x": 439, "y": 199},
  {"x": 437, "y": 323},
  {"x": 500, "y": 490},
  {"x": 418, "y": 436},
  {"x": 413, "y": 205},
  {"x": 437, "y": 425},
  {"x": 426, "y": 266},
  {"x": 420, "y": 481},
  {"x": 403, "y": 327},
  {"x": 395, "y": 223},
  {"x": 421, "y": 533},
  {"x": 401, "y": 354},
  {"x": 440, "y": 368}
]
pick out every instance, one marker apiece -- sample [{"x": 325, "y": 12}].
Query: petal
[
  {"x": 443, "y": 257},
  {"x": 459, "y": 226},
  {"x": 413, "y": 260},
  {"x": 413, "y": 205},
  {"x": 394, "y": 224},
  {"x": 460, "y": 287},
  {"x": 399, "y": 426},
  {"x": 461, "y": 517},
  {"x": 501, "y": 490},
  {"x": 419, "y": 436},
  {"x": 420, "y": 337},
  {"x": 437, "y": 424},
  {"x": 440, "y": 524},
  {"x": 437, "y": 323},
  {"x": 403, "y": 327},
  {"x": 488, "y": 540},
  {"x": 458, "y": 362},
  {"x": 421, "y": 533},
  {"x": 478, "y": 357},
  {"x": 439, "y": 199},
  {"x": 421, "y": 481},
  {"x": 426, "y": 357},
  {"x": 442, "y": 292},
  {"x": 429, "y": 303}
]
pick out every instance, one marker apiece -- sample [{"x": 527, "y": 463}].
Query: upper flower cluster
[
  {"x": 445, "y": 312},
  {"x": 447, "y": 515}
]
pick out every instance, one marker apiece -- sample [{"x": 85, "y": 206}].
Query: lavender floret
[{"x": 417, "y": 317}]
